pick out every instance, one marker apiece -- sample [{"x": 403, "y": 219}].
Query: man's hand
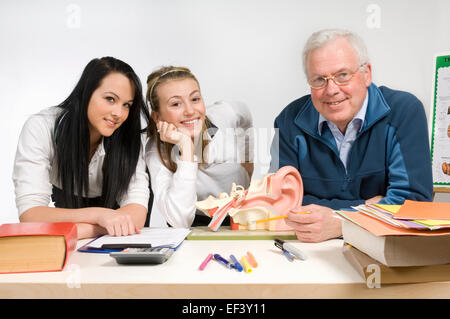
[{"x": 319, "y": 224}]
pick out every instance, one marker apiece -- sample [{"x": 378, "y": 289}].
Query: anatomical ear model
[{"x": 263, "y": 205}]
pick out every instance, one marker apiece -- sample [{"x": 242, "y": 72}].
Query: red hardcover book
[{"x": 36, "y": 247}]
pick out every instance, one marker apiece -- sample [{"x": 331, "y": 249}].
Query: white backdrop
[{"x": 246, "y": 50}]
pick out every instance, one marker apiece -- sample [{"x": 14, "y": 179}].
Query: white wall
[{"x": 240, "y": 50}]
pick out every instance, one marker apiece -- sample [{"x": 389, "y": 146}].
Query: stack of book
[{"x": 409, "y": 242}]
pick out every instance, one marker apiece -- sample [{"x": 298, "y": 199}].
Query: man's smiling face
[{"x": 338, "y": 103}]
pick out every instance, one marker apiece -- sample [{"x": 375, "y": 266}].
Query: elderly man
[{"x": 352, "y": 142}]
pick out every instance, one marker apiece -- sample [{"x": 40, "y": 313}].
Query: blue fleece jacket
[{"x": 390, "y": 156}]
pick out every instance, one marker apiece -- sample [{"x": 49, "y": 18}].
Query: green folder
[{"x": 225, "y": 233}]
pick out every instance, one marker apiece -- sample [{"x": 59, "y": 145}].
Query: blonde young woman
[{"x": 195, "y": 151}]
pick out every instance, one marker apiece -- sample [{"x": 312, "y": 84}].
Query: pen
[
  {"x": 223, "y": 261},
  {"x": 237, "y": 265},
  {"x": 205, "y": 262},
  {"x": 246, "y": 265},
  {"x": 287, "y": 254},
  {"x": 251, "y": 259},
  {"x": 290, "y": 248}
]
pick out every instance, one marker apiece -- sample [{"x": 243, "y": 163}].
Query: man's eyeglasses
[{"x": 340, "y": 78}]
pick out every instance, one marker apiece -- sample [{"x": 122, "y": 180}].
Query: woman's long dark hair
[{"x": 72, "y": 138}]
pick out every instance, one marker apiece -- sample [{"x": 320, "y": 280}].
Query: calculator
[{"x": 154, "y": 255}]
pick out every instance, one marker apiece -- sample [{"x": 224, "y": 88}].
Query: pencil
[
  {"x": 278, "y": 217},
  {"x": 269, "y": 219}
]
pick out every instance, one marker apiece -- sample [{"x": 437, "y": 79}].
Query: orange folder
[
  {"x": 379, "y": 228},
  {"x": 423, "y": 210}
]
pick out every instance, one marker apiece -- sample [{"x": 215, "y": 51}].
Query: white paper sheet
[{"x": 167, "y": 237}]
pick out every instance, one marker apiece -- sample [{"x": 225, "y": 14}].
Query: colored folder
[
  {"x": 424, "y": 210},
  {"x": 379, "y": 228}
]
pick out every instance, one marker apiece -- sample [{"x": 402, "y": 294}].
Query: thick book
[
  {"x": 367, "y": 268},
  {"x": 36, "y": 247},
  {"x": 399, "y": 250}
]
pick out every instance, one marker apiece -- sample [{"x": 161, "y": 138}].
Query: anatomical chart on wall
[{"x": 440, "y": 135}]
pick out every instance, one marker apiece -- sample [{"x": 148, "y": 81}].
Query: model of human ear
[{"x": 263, "y": 205}]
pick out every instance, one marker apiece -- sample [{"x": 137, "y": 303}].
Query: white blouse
[
  {"x": 175, "y": 194},
  {"x": 35, "y": 169}
]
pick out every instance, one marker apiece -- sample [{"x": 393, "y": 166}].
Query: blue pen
[
  {"x": 288, "y": 255},
  {"x": 290, "y": 248},
  {"x": 237, "y": 265},
  {"x": 222, "y": 260}
]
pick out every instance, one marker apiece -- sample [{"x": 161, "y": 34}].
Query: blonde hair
[{"x": 156, "y": 78}]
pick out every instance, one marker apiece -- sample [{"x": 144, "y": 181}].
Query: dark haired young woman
[{"x": 86, "y": 154}]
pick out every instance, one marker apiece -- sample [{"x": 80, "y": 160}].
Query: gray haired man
[{"x": 352, "y": 141}]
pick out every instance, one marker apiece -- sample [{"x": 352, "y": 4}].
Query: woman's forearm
[
  {"x": 89, "y": 230},
  {"x": 91, "y": 221},
  {"x": 53, "y": 214}
]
